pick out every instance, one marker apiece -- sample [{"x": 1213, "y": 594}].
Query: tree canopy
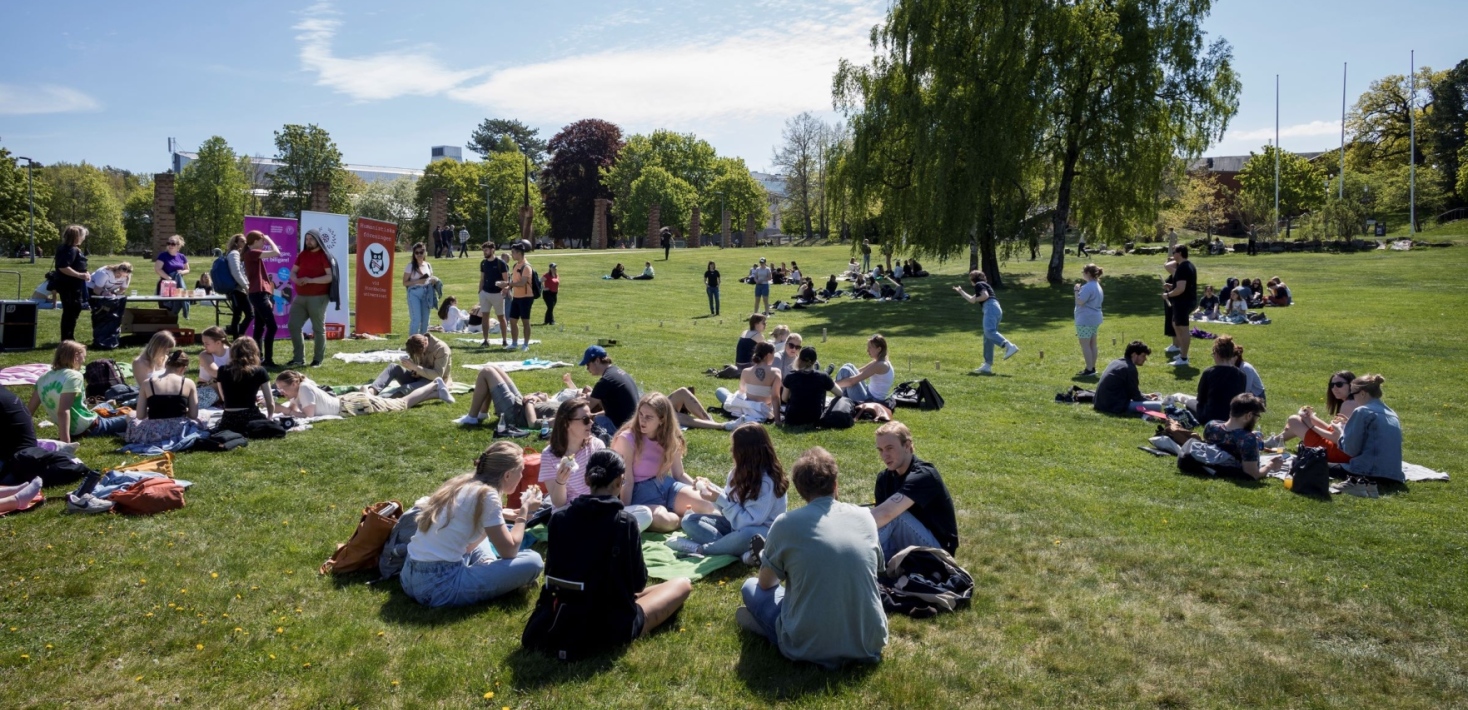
[
  {"x": 737, "y": 191},
  {"x": 15, "y": 214},
  {"x": 504, "y": 172},
  {"x": 571, "y": 181},
  {"x": 210, "y": 195},
  {"x": 1301, "y": 182},
  {"x": 308, "y": 156},
  {"x": 689, "y": 160},
  {"x": 489, "y": 137},
  {"x": 80, "y": 194}
]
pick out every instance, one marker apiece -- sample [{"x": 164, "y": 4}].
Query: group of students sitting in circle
[
  {"x": 469, "y": 548},
  {"x": 1240, "y": 295},
  {"x": 1362, "y": 439}
]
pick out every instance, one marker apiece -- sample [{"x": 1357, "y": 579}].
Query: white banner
[{"x": 332, "y": 229}]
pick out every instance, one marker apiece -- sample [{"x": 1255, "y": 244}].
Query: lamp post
[
  {"x": 488, "y": 237},
  {"x": 722, "y": 212},
  {"x": 31, "y": 193}
]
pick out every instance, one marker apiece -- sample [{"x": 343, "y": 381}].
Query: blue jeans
[
  {"x": 764, "y": 605},
  {"x": 713, "y": 292},
  {"x": 659, "y": 490},
  {"x": 992, "y": 315},
  {"x": 107, "y": 426},
  {"x": 866, "y": 262},
  {"x": 478, "y": 577},
  {"x": 718, "y": 536},
  {"x": 858, "y": 392},
  {"x": 605, "y": 422},
  {"x": 420, "y": 304},
  {"x": 903, "y": 532}
]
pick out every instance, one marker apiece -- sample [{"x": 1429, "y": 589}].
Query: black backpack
[
  {"x": 924, "y": 581},
  {"x": 100, "y": 376},
  {"x": 922, "y": 395},
  {"x": 1310, "y": 472},
  {"x": 840, "y": 414},
  {"x": 534, "y": 284}
]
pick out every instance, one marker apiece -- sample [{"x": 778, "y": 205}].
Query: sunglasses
[
  {"x": 1339, "y": 384},
  {"x": 792, "y": 346},
  {"x": 420, "y": 251},
  {"x": 587, "y": 420}
]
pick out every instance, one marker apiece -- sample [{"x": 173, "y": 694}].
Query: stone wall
[
  {"x": 599, "y": 224},
  {"x": 321, "y": 197},
  {"x": 438, "y": 213},
  {"x": 695, "y": 229},
  {"x": 165, "y": 214},
  {"x": 654, "y": 225}
]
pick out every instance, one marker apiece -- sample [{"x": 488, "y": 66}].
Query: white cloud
[
  {"x": 17, "y": 100},
  {"x": 375, "y": 77},
  {"x": 1298, "y": 130}
]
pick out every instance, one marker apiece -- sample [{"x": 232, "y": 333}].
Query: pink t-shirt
[
  {"x": 646, "y": 467},
  {"x": 576, "y": 483}
]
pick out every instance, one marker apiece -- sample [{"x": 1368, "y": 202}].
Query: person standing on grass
[
  {"x": 711, "y": 283},
  {"x": 492, "y": 271},
  {"x": 241, "y": 314},
  {"x": 667, "y": 237},
  {"x": 993, "y": 314},
  {"x": 463, "y": 241},
  {"x": 262, "y": 291},
  {"x": 312, "y": 276},
  {"x": 753, "y": 497},
  {"x": 418, "y": 280},
  {"x": 70, "y": 279},
  {"x": 913, "y": 504},
  {"x": 761, "y": 276},
  {"x": 827, "y": 553},
  {"x": 866, "y": 255},
  {"x": 1119, "y": 391},
  {"x": 172, "y": 265},
  {"x": 1182, "y": 297},
  {"x": 463, "y": 552},
  {"x": 1088, "y": 316},
  {"x": 522, "y": 294},
  {"x": 550, "y": 292},
  {"x": 595, "y": 596},
  {"x": 1171, "y": 240}
]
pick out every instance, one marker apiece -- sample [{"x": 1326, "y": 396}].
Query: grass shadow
[
  {"x": 1240, "y": 481},
  {"x": 401, "y": 609},
  {"x": 772, "y": 676},
  {"x": 532, "y": 670}
]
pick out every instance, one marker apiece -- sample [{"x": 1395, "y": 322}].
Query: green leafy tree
[
  {"x": 1301, "y": 182},
  {"x": 393, "y": 201},
  {"x": 681, "y": 155},
  {"x": 210, "y": 195},
  {"x": 492, "y": 133},
  {"x": 1446, "y": 128},
  {"x": 80, "y": 194},
  {"x": 15, "y": 204},
  {"x": 734, "y": 189},
  {"x": 308, "y": 156},
  {"x": 657, "y": 186},
  {"x": 137, "y": 219},
  {"x": 1379, "y": 125},
  {"x": 505, "y": 175},
  {"x": 581, "y": 153}
]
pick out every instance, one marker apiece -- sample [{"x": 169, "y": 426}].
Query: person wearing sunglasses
[
  {"x": 788, "y": 354},
  {"x": 1372, "y": 436},
  {"x": 418, "y": 280},
  {"x": 1311, "y": 430},
  {"x": 563, "y": 463}
]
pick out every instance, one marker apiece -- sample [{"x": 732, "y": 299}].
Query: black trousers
[
  {"x": 550, "y": 306},
  {"x": 71, "y": 310},
  {"x": 264, "y": 305},
  {"x": 239, "y": 302}
]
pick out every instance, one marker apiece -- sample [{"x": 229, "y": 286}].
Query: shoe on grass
[
  {"x": 1179, "y": 362},
  {"x": 751, "y": 556},
  {"x": 684, "y": 547},
  {"x": 1172, "y": 350},
  {"x": 1010, "y": 350},
  {"x": 469, "y": 420},
  {"x": 984, "y": 369},
  {"x": 443, "y": 390},
  {"x": 87, "y": 504},
  {"x": 745, "y": 619},
  {"x": 525, "y": 348}
]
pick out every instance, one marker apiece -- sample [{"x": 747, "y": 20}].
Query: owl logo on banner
[{"x": 376, "y": 260}]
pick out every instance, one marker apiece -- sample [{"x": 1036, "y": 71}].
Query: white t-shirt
[
  {"x": 327, "y": 405},
  {"x": 105, "y": 282},
  {"x": 408, "y": 269},
  {"x": 761, "y": 275},
  {"x": 449, "y": 543},
  {"x": 456, "y": 320}
]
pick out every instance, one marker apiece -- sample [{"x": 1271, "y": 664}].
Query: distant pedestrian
[
  {"x": 550, "y": 290},
  {"x": 866, "y": 255},
  {"x": 1253, "y": 244},
  {"x": 1171, "y": 240},
  {"x": 761, "y": 275},
  {"x": 711, "y": 286},
  {"x": 667, "y": 234},
  {"x": 463, "y": 241}
]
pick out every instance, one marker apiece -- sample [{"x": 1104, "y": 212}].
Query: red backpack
[{"x": 149, "y": 496}]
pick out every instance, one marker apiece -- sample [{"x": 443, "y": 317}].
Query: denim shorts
[
  {"x": 660, "y": 490},
  {"x": 761, "y": 290}
]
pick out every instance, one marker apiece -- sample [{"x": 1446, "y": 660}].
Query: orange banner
[{"x": 375, "y": 245}]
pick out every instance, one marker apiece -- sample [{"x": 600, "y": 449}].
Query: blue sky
[{"x": 109, "y": 83}]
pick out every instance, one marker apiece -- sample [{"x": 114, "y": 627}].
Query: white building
[
  {"x": 444, "y": 152},
  {"x": 774, "y": 186},
  {"x": 267, "y": 166}
]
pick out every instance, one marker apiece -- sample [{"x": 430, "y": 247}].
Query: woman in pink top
[
  {"x": 654, "y": 447},
  {"x": 563, "y": 463}
]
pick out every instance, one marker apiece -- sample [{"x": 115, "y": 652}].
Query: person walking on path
[
  {"x": 993, "y": 314},
  {"x": 463, "y": 241}
]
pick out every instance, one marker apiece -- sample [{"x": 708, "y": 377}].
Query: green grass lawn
[{"x": 1104, "y": 577}]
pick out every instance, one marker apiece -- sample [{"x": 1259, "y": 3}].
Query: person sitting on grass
[
  {"x": 564, "y": 461},
  {"x": 453, "y": 319},
  {"x": 1255, "y": 385},
  {"x": 873, "y": 381},
  {"x": 171, "y": 395},
  {"x": 1119, "y": 391},
  {"x": 758, "y": 395},
  {"x": 62, "y": 391},
  {"x": 913, "y": 504},
  {"x": 690, "y": 412},
  {"x": 1279, "y": 293},
  {"x": 827, "y": 553},
  {"x": 646, "y": 274},
  {"x": 1372, "y": 435},
  {"x": 614, "y": 397},
  {"x": 514, "y": 410},
  {"x": 1259, "y": 296},
  {"x": 1208, "y": 304},
  {"x": 807, "y": 296},
  {"x": 619, "y": 272},
  {"x": 753, "y": 497},
  {"x": 832, "y": 289},
  {"x": 595, "y": 596},
  {"x": 242, "y": 383},
  {"x": 463, "y": 552},
  {"x": 428, "y": 359},
  {"x": 804, "y": 391},
  {"x": 215, "y": 356},
  {"x": 1316, "y": 432},
  {"x": 655, "y": 446},
  {"x": 1219, "y": 384},
  {"x": 755, "y": 334},
  {"x": 787, "y": 353},
  {"x": 305, "y": 398},
  {"x": 1236, "y": 436},
  {"x": 1238, "y": 305},
  {"x": 149, "y": 362}
]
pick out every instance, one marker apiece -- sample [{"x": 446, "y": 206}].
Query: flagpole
[
  {"x": 1276, "y": 155},
  {"x": 1344, "y": 67},
  {"x": 1412, "y": 153}
]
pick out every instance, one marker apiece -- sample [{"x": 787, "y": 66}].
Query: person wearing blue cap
[{"x": 615, "y": 394}]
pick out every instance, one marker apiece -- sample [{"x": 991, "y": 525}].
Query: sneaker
[
  {"x": 295, "y": 363},
  {"x": 87, "y": 504},
  {"x": 830, "y": 369},
  {"x": 1172, "y": 350},
  {"x": 443, "y": 390},
  {"x": 1359, "y": 487},
  {"x": 469, "y": 420},
  {"x": 745, "y": 619},
  {"x": 733, "y": 424},
  {"x": 1179, "y": 362},
  {"x": 1088, "y": 372},
  {"x": 756, "y": 548},
  {"x": 1010, "y": 350},
  {"x": 525, "y": 348},
  {"x": 685, "y": 547},
  {"x": 513, "y": 346},
  {"x": 984, "y": 369}
]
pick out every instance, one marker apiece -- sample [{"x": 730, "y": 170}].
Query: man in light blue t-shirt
[{"x": 827, "y": 553}]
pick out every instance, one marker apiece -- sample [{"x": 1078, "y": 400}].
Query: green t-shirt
[{"x": 58, "y": 382}]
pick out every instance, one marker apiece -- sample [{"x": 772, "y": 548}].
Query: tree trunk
[
  {"x": 1056, "y": 272},
  {"x": 988, "y": 246}
]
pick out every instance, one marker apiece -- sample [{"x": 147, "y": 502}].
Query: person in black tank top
[{"x": 171, "y": 395}]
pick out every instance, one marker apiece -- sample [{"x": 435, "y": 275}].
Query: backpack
[
  {"x": 922, "y": 396},
  {"x": 1310, "y": 472},
  {"x": 841, "y": 414},
  {"x": 222, "y": 277},
  {"x": 149, "y": 496},
  {"x": 395, "y": 550},
  {"x": 924, "y": 581},
  {"x": 100, "y": 376},
  {"x": 364, "y": 548},
  {"x": 534, "y": 283}
]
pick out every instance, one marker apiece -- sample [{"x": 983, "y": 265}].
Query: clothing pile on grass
[{"x": 143, "y": 488}]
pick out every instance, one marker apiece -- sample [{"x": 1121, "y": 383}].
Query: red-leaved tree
[{"x": 571, "y": 182}]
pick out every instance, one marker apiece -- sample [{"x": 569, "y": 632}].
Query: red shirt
[
  {"x": 312, "y": 264},
  {"x": 255, "y": 271}
]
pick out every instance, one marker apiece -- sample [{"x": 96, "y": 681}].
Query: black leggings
[
  {"x": 239, "y": 302},
  {"x": 71, "y": 310},
  {"x": 550, "y": 306},
  {"x": 264, "y": 305}
]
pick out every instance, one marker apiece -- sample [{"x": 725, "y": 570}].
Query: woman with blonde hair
[
  {"x": 873, "y": 381},
  {"x": 652, "y": 443},
  {"x": 463, "y": 553},
  {"x": 418, "y": 282},
  {"x": 149, "y": 362},
  {"x": 63, "y": 392},
  {"x": 112, "y": 280},
  {"x": 1372, "y": 436}
]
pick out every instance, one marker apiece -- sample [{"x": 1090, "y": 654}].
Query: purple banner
[{"x": 284, "y": 233}]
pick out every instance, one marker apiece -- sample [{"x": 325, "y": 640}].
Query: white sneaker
[
  {"x": 525, "y": 348},
  {"x": 684, "y": 546},
  {"x": 1179, "y": 362},
  {"x": 733, "y": 424},
  {"x": 513, "y": 346},
  {"x": 443, "y": 390},
  {"x": 1010, "y": 350},
  {"x": 1172, "y": 350},
  {"x": 984, "y": 370},
  {"x": 469, "y": 420}
]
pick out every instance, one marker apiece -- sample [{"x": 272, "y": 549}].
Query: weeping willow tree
[{"x": 945, "y": 122}]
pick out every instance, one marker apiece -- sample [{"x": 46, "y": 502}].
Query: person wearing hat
[
  {"x": 804, "y": 391},
  {"x": 522, "y": 296},
  {"x": 550, "y": 289},
  {"x": 615, "y": 394},
  {"x": 761, "y": 276}
]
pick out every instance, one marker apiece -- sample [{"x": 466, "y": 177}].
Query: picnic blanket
[
  {"x": 1412, "y": 471},
  {"x": 379, "y": 356},
  {"x": 662, "y": 562},
  {"x": 477, "y": 341},
  {"x": 520, "y": 365},
  {"x": 23, "y": 374}
]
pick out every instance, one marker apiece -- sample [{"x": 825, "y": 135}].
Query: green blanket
[{"x": 662, "y": 562}]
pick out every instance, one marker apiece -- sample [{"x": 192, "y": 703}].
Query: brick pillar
[
  {"x": 438, "y": 213},
  {"x": 320, "y": 197},
  {"x": 749, "y": 233},
  {"x": 654, "y": 225},
  {"x": 726, "y": 234},
  {"x": 165, "y": 220},
  {"x": 599, "y": 224},
  {"x": 695, "y": 229}
]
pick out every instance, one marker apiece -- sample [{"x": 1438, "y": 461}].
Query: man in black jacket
[{"x": 1119, "y": 391}]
